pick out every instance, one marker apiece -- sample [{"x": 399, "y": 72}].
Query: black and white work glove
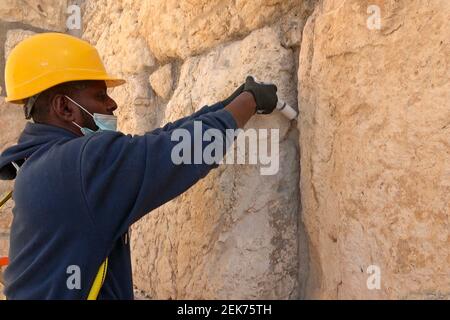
[{"x": 265, "y": 95}]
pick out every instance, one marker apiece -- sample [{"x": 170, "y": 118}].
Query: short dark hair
[{"x": 41, "y": 107}]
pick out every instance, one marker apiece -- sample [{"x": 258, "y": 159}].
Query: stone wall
[
  {"x": 236, "y": 233},
  {"x": 364, "y": 173},
  {"x": 374, "y": 133}
]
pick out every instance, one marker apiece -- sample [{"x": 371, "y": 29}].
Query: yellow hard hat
[{"x": 47, "y": 59}]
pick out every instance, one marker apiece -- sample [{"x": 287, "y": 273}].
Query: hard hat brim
[{"x": 110, "y": 82}]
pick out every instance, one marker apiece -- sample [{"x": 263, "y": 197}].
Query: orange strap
[{"x": 4, "y": 261}]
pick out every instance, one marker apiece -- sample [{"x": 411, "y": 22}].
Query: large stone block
[
  {"x": 12, "y": 119},
  {"x": 13, "y": 37},
  {"x": 234, "y": 234},
  {"x": 162, "y": 81},
  {"x": 113, "y": 27},
  {"x": 45, "y": 14},
  {"x": 184, "y": 28},
  {"x": 5, "y": 225},
  {"x": 5, "y": 214},
  {"x": 4, "y": 243},
  {"x": 11, "y": 122},
  {"x": 374, "y": 135},
  {"x": 212, "y": 77}
]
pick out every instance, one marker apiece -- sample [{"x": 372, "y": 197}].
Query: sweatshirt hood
[{"x": 33, "y": 137}]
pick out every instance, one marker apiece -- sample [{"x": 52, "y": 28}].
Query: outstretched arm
[
  {"x": 206, "y": 109},
  {"x": 242, "y": 108},
  {"x": 125, "y": 177}
]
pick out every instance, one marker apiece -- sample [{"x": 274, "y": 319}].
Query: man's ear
[{"x": 62, "y": 108}]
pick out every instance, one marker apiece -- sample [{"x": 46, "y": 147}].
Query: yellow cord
[
  {"x": 101, "y": 274},
  {"x": 98, "y": 282},
  {"x": 5, "y": 197}
]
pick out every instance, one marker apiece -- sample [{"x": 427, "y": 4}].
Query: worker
[{"x": 79, "y": 183}]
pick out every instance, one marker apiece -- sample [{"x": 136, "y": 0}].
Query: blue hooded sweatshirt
[{"x": 76, "y": 197}]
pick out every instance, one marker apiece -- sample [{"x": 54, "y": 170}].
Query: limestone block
[
  {"x": 13, "y": 37},
  {"x": 184, "y": 28},
  {"x": 234, "y": 234},
  {"x": 12, "y": 122},
  {"x": 374, "y": 135},
  {"x": 212, "y": 77},
  {"x": 45, "y": 14},
  {"x": 162, "y": 80},
  {"x": 112, "y": 26}
]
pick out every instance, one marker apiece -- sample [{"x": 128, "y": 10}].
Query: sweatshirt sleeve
[
  {"x": 176, "y": 124},
  {"x": 124, "y": 177}
]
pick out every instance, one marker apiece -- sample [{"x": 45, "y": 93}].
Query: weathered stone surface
[
  {"x": 269, "y": 268},
  {"x": 212, "y": 77},
  {"x": 11, "y": 122},
  {"x": 46, "y": 14},
  {"x": 234, "y": 234},
  {"x": 137, "y": 113},
  {"x": 13, "y": 37},
  {"x": 112, "y": 26},
  {"x": 374, "y": 135},
  {"x": 4, "y": 243},
  {"x": 12, "y": 118},
  {"x": 162, "y": 81},
  {"x": 183, "y": 28},
  {"x": 5, "y": 224},
  {"x": 290, "y": 26}
]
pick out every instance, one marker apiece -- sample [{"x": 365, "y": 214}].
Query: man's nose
[{"x": 112, "y": 106}]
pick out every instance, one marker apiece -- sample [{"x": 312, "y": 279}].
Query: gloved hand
[
  {"x": 237, "y": 92},
  {"x": 265, "y": 95}
]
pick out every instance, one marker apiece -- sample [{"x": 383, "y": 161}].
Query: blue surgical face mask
[{"x": 104, "y": 122}]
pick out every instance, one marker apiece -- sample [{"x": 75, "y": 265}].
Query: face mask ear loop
[
  {"x": 77, "y": 125},
  {"x": 80, "y": 106}
]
